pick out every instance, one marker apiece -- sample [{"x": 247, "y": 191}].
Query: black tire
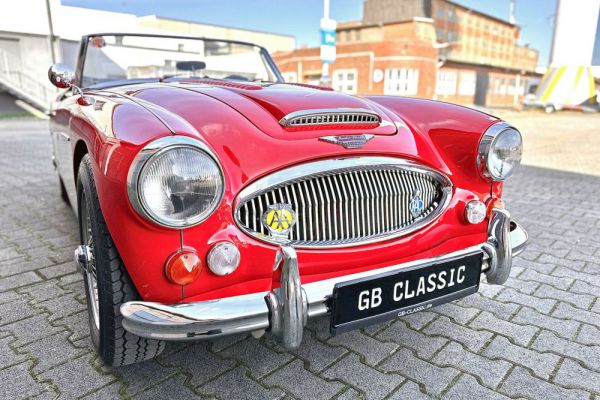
[
  {"x": 115, "y": 345},
  {"x": 63, "y": 191}
]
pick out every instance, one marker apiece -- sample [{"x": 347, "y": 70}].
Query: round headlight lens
[
  {"x": 505, "y": 154},
  {"x": 180, "y": 186}
]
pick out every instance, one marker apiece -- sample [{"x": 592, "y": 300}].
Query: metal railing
[{"x": 24, "y": 86}]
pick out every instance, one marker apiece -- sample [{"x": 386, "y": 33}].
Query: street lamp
[{"x": 328, "y": 26}]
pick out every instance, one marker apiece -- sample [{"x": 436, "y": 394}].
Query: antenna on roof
[{"x": 511, "y": 16}]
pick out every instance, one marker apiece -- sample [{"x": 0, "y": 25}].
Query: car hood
[
  {"x": 240, "y": 122},
  {"x": 266, "y": 104}
]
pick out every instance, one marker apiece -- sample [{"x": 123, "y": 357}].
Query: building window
[
  {"x": 466, "y": 86},
  {"x": 441, "y": 12},
  {"x": 290, "y": 77},
  {"x": 512, "y": 87},
  {"x": 404, "y": 81},
  {"x": 446, "y": 83},
  {"x": 503, "y": 87},
  {"x": 345, "y": 80}
]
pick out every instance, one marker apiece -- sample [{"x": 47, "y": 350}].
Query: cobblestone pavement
[{"x": 538, "y": 337}]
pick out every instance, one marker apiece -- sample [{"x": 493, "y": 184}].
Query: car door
[{"x": 62, "y": 147}]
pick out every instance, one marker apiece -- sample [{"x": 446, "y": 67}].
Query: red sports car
[{"x": 213, "y": 198}]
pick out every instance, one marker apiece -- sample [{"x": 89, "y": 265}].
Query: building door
[{"x": 481, "y": 87}]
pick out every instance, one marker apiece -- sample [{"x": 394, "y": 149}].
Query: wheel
[
  {"x": 549, "y": 109},
  {"x": 63, "y": 191},
  {"x": 107, "y": 284}
]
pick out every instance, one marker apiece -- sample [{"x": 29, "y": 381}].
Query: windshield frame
[{"x": 85, "y": 40}]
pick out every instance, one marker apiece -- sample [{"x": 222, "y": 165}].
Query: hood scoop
[{"x": 331, "y": 118}]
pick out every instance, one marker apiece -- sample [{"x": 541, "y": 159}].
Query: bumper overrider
[{"x": 285, "y": 311}]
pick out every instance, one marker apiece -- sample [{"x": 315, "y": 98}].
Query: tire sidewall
[
  {"x": 84, "y": 187},
  {"x": 113, "y": 343}
]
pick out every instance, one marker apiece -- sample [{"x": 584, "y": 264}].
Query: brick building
[{"x": 425, "y": 48}]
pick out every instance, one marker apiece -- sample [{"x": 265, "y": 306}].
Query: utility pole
[
  {"x": 511, "y": 17},
  {"x": 325, "y": 70},
  {"x": 50, "y": 31}
]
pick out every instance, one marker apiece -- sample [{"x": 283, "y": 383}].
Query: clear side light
[
  {"x": 475, "y": 212},
  {"x": 223, "y": 258}
]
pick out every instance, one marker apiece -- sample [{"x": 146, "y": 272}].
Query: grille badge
[
  {"x": 348, "y": 141},
  {"x": 279, "y": 220},
  {"x": 416, "y": 204}
]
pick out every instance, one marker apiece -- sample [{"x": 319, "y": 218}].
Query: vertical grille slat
[
  {"x": 352, "y": 206},
  {"x": 334, "y": 207},
  {"x": 349, "y": 205}
]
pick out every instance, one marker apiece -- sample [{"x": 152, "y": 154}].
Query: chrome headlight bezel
[
  {"x": 154, "y": 149},
  {"x": 486, "y": 145}
]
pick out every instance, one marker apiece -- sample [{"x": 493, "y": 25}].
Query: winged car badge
[{"x": 348, "y": 141}]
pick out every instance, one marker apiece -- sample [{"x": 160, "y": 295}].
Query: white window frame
[
  {"x": 344, "y": 84},
  {"x": 503, "y": 87},
  {"x": 401, "y": 81},
  {"x": 290, "y": 77},
  {"x": 466, "y": 85},
  {"x": 446, "y": 83}
]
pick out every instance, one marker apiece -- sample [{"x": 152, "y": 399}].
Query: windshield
[{"x": 121, "y": 57}]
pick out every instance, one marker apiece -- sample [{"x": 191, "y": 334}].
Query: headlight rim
[
  {"x": 485, "y": 145},
  {"x": 154, "y": 149}
]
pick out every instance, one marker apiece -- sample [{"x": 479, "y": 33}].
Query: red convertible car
[{"x": 213, "y": 198}]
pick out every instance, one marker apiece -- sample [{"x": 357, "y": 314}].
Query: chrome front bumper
[{"x": 285, "y": 311}]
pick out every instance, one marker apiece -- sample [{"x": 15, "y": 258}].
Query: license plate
[{"x": 363, "y": 302}]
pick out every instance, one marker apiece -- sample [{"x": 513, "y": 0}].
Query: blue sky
[{"x": 300, "y": 18}]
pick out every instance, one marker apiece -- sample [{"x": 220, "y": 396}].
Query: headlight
[
  {"x": 500, "y": 151},
  {"x": 175, "y": 182}
]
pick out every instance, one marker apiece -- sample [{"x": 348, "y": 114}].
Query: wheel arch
[{"x": 80, "y": 150}]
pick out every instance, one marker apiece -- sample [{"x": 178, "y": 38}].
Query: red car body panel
[{"x": 240, "y": 124}]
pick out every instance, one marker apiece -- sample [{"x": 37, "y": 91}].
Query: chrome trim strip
[
  {"x": 157, "y": 147},
  {"x": 316, "y": 169},
  {"x": 485, "y": 144},
  {"x": 260, "y": 311},
  {"x": 291, "y": 118}
]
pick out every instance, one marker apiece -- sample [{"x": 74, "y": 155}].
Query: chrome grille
[
  {"x": 334, "y": 116},
  {"x": 345, "y": 202}
]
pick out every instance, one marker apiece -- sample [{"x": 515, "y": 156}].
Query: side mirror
[{"x": 62, "y": 76}]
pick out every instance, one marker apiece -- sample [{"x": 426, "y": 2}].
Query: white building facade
[{"x": 26, "y": 50}]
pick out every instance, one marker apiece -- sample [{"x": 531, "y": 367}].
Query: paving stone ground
[{"x": 538, "y": 337}]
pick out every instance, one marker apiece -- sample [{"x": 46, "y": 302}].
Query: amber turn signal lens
[{"x": 183, "y": 267}]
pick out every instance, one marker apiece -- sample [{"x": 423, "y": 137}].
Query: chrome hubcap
[{"x": 90, "y": 273}]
